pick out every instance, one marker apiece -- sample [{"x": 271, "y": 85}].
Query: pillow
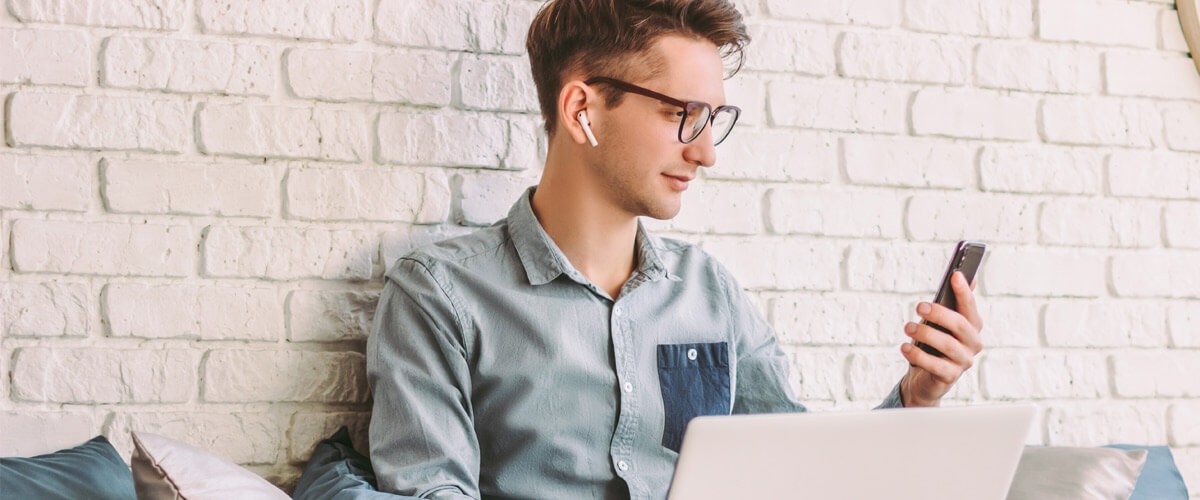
[
  {"x": 91, "y": 470},
  {"x": 1160, "y": 479},
  {"x": 1066, "y": 473},
  {"x": 337, "y": 471},
  {"x": 164, "y": 468}
]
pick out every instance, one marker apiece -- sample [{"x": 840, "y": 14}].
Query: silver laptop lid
[{"x": 915, "y": 453}]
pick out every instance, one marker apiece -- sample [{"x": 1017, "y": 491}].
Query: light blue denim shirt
[{"x": 498, "y": 370}]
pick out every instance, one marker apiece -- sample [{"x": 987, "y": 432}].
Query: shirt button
[
  {"x": 692, "y": 354},
  {"x": 628, "y": 387},
  {"x": 623, "y": 465},
  {"x": 617, "y": 311}
]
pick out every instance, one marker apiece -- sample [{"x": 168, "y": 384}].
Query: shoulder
[{"x": 435, "y": 259}]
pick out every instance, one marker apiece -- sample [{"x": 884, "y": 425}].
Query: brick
[
  {"x": 267, "y": 130},
  {"x": 145, "y": 14},
  {"x": 45, "y": 57},
  {"x": 315, "y": 316},
  {"x": 905, "y": 58},
  {"x": 243, "y": 437},
  {"x": 102, "y": 248},
  {"x": 866, "y": 12},
  {"x": 1034, "y": 67},
  {"x": 396, "y": 244},
  {"x": 486, "y": 197},
  {"x": 1109, "y": 23},
  {"x": 847, "y": 320},
  {"x": 45, "y": 182},
  {"x": 974, "y": 114},
  {"x": 1100, "y": 121},
  {"x": 496, "y": 83},
  {"x": 103, "y": 376},
  {"x": 1182, "y": 122},
  {"x": 187, "y": 66},
  {"x": 443, "y": 139},
  {"x": 1106, "y": 423},
  {"x": 720, "y": 208},
  {"x": 1100, "y": 223},
  {"x": 286, "y": 253},
  {"x": 49, "y": 309},
  {"x": 865, "y": 214},
  {"x": 818, "y": 373},
  {"x": 419, "y": 197},
  {"x": 953, "y": 217},
  {"x": 1009, "y": 322},
  {"x": 1156, "y": 274},
  {"x": 1156, "y": 374},
  {"x": 307, "y": 429},
  {"x": 908, "y": 162},
  {"x": 98, "y": 122},
  {"x": 1030, "y": 272},
  {"x": 1183, "y": 318},
  {"x": 1171, "y": 29},
  {"x": 246, "y": 376},
  {"x": 989, "y": 18},
  {"x": 400, "y": 76},
  {"x": 1008, "y": 375},
  {"x": 871, "y": 374},
  {"x": 193, "y": 312},
  {"x": 500, "y": 27},
  {"x": 1040, "y": 169},
  {"x": 29, "y": 433},
  {"x": 442, "y": 24},
  {"x": 791, "y": 48},
  {"x": 1185, "y": 423},
  {"x": 775, "y": 155},
  {"x": 778, "y": 263},
  {"x": 896, "y": 268},
  {"x": 1154, "y": 175},
  {"x": 1151, "y": 74},
  {"x": 158, "y": 187},
  {"x": 1105, "y": 323},
  {"x": 845, "y": 106},
  {"x": 527, "y": 143},
  {"x": 336, "y": 20}
]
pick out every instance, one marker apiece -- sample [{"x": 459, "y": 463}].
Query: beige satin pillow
[
  {"x": 1067, "y": 473},
  {"x": 166, "y": 469}
]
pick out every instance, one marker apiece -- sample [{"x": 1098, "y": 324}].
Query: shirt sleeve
[
  {"x": 422, "y": 436},
  {"x": 763, "y": 369}
]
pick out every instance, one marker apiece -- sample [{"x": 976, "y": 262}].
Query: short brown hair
[{"x": 598, "y": 37}]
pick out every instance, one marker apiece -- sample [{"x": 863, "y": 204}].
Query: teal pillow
[
  {"x": 337, "y": 471},
  {"x": 91, "y": 470},
  {"x": 1160, "y": 479}
]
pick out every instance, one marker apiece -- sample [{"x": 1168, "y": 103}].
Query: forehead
[{"x": 689, "y": 69}]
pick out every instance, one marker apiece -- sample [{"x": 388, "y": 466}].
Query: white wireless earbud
[{"x": 587, "y": 128}]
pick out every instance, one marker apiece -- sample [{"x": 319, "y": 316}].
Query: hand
[{"x": 930, "y": 377}]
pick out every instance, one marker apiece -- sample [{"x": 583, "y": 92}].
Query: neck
[{"x": 595, "y": 235}]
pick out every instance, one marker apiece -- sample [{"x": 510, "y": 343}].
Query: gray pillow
[{"x": 1068, "y": 473}]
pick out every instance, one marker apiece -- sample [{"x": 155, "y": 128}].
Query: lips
[{"x": 683, "y": 178}]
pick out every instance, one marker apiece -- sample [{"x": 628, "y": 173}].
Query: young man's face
[{"x": 641, "y": 161}]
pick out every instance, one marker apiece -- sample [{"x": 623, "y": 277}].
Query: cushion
[
  {"x": 91, "y": 470},
  {"x": 1160, "y": 479},
  {"x": 337, "y": 471},
  {"x": 1067, "y": 473},
  {"x": 164, "y": 468}
]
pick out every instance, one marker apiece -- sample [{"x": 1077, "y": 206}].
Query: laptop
[{"x": 897, "y": 454}]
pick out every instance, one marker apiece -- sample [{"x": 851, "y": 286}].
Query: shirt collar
[{"x": 544, "y": 261}]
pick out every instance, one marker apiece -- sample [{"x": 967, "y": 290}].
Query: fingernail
[
  {"x": 910, "y": 328},
  {"x": 906, "y": 347},
  {"x": 923, "y": 308}
]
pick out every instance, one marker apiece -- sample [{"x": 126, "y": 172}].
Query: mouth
[{"x": 679, "y": 182}]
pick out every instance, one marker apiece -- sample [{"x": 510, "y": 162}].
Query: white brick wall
[{"x": 198, "y": 200}]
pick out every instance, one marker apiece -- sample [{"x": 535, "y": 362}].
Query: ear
[{"x": 575, "y": 97}]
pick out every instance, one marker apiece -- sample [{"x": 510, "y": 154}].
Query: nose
[{"x": 701, "y": 152}]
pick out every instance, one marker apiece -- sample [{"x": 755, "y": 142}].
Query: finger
[
  {"x": 966, "y": 299},
  {"x": 954, "y": 350},
  {"x": 942, "y": 370},
  {"x": 951, "y": 320}
]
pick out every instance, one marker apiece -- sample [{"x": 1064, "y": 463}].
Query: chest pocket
[{"x": 695, "y": 381}]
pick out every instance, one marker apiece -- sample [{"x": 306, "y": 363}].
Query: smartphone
[{"x": 967, "y": 257}]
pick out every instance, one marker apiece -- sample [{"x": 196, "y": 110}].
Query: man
[{"x": 560, "y": 352}]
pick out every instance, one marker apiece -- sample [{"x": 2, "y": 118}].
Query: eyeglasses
[{"x": 694, "y": 117}]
